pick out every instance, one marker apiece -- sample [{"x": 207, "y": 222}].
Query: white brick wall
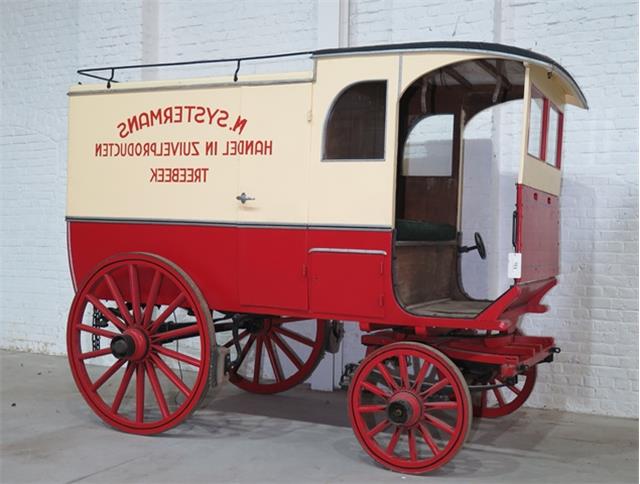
[{"x": 595, "y": 308}]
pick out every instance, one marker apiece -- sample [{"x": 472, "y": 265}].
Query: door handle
[
  {"x": 514, "y": 229},
  {"x": 244, "y": 198}
]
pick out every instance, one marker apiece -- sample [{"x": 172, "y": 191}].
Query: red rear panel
[{"x": 538, "y": 234}]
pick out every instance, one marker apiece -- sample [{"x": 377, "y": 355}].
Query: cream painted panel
[
  {"x": 124, "y": 186},
  {"x": 352, "y": 192},
  {"x": 280, "y": 114},
  {"x": 551, "y": 88},
  {"x": 418, "y": 64},
  {"x": 540, "y": 175},
  {"x": 534, "y": 172}
]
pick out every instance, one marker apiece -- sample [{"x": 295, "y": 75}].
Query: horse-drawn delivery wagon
[{"x": 223, "y": 226}]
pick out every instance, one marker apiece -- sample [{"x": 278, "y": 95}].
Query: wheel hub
[
  {"x": 405, "y": 409},
  {"x": 255, "y": 326},
  {"x": 133, "y": 344}
]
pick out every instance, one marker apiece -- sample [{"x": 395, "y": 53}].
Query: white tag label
[{"x": 515, "y": 265}]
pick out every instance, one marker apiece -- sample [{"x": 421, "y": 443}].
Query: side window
[
  {"x": 535, "y": 123},
  {"x": 428, "y": 150},
  {"x": 355, "y": 128},
  {"x": 554, "y": 137},
  {"x": 545, "y": 130}
]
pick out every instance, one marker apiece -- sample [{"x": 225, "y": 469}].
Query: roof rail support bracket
[{"x": 235, "y": 74}]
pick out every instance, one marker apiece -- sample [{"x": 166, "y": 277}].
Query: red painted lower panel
[
  {"x": 358, "y": 292},
  {"x": 297, "y": 272},
  {"x": 207, "y": 254},
  {"x": 272, "y": 268},
  {"x": 538, "y": 237}
]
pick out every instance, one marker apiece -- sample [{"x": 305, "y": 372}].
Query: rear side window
[
  {"x": 545, "y": 129},
  {"x": 536, "y": 114},
  {"x": 355, "y": 128}
]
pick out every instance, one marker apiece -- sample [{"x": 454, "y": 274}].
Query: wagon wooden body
[{"x": 208, "y": 218}]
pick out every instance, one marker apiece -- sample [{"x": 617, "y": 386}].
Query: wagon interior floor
[{"x": 449, "y": 308}]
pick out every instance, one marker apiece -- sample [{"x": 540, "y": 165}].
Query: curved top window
[{"x": 356, "y": 124}]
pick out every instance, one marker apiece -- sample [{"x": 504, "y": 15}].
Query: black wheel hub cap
[
  {"x": 399, "y": 412},
  {"x": 122, "y": 346}
]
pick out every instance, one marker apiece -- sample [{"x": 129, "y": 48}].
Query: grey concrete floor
[{"x": 50, "y": 435}]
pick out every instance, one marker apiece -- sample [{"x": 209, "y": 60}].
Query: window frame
[
  {"x": 547, "y": 105},
  {"x": 336, "y": 98}
]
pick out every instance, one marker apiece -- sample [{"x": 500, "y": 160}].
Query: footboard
[{"x": 511, "y": 354}]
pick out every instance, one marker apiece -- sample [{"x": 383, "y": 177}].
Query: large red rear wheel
[
  {"x": 409, "y": 407},
  {"x": 277, "y": 354},
  {"x": 139, "y": 343}
]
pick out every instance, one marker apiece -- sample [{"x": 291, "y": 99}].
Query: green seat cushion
[{"x": 417, "y": 230}]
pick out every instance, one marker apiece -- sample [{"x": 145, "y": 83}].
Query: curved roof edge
[{"x": 462, "y": 46}]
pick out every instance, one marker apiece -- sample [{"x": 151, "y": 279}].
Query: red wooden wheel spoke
[
  {"x": 371, "y": 408},
  {"x": 513, "y": 388},
  {"x": 421, "y": 375},
  {"x": 140, "y": 393},
  {"x": 167, "y": 312},
  {"x": 393, "y": 441},
  {"x": 157, "y": 390},
  {"x": 117, "y": 295},
  {"x": 413, "y": 454},
  {"x": 187, "y": 331},
  {"x": 378, "y": 428},
  {"x": 151, "y": 298},
  {"x": 164, "y": 368},
  {"x": 241, "y": 336},
  {"x": 245, "y": 350},
  {"x": 287, "y": 350},
  {"x": 106, "y": 312},
  {"x": 387, "y": 377},
  {"x": 404, "y": 373},
  {"x": 426, "y": 435},
  {"x": 107, "y": 374},
  {"x": 371, "y": 388},
  {"x": 440, "y": 405},
  {"x": 439, "y": 424},
  {"x": 95, "y": 354},
  {"x": 135, "y": 293},
  {"x": 257, "y": 361},
  {"x": 295, "y": 336},
  {"x": 122, "y": 389},
  {"x": 499, "y": 397},
  {"x": 177, "y": 356},
  {"x": 435, "y": 388},
  {"x": 273, "y": 359},
  {"x": 98, "y": 331}
]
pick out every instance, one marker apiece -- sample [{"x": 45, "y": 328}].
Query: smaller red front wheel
[
  {"x": 409, "y": 407},
  {"x": 504, "y": 398}
]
